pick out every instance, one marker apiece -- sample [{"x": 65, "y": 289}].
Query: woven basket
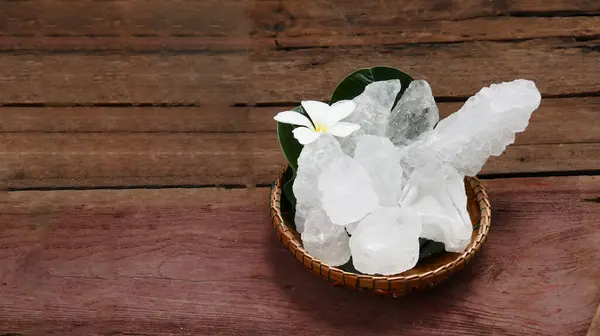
[{"x": 427, "y": 274}]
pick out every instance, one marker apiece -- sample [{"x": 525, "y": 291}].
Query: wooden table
[{"x": 137, "y": 146}]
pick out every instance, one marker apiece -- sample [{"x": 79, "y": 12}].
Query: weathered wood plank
[
  {"x": 344, "y": 12},
  {"x": 309, "y": 34},
  {"x": 237, "y": 20},
  {"x": 124, "y": 44},
  {"x": 488, "y": 29},
  {"x": 309, "y": 24},
  {"x": 205, "y": 261},
  {"x": 144, "y": 119},
  {"x": 268, "y": 76},
  {"x": 564, "y": 120},
  {"x": 66, "y": 147},
  {"x": 123, "y": 78},
  {"x": 453, "y": 70},
  {"x": 545, "y": 158},
  {"x": 41, "y": 160},
  {"x": 56, "y": 18},
  {"x": 140, "y": 159}
]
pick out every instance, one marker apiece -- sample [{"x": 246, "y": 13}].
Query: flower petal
[
  {"x": 343, "y": 129},
  {"x": 305, "y": 135},
  {"x": 316, "y": 110},
  {"x": 294, "y": 118},
  {"x": 340, "y": 110}
]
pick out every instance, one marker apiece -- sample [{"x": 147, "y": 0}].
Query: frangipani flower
[{"x": 325, "y": 119}]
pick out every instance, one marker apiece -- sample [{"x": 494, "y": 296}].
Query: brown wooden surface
[
  {"x": 243, "y": 77},
  {"x": 105, "y": 106},
  {"x": 206, "y": 261},
  {"x": 82, "y": 146}
]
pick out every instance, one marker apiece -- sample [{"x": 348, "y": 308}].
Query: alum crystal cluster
[{"x": 398, "y": 176}]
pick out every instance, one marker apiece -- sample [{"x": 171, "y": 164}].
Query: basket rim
[{"x": 286, "y": 235}]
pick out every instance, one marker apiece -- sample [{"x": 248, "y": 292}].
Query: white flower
[{"x": 325, "y": 119}]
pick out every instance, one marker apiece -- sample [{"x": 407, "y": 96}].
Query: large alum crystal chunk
[
  {"x": 325, "y": 240},
  {"x": 380, "y": 158},
  {"x": 415, "y": 113},
  {"x": 484, "y": 126},
  {"x": 347, "y": 191},
  {"x": 372, "y": 113},
  {"x": 386, "y": 241},
  {"x": 313, "y": 159},
  {"x": 437, "y": 193}
]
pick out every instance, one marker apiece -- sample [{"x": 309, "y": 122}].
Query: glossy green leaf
[
  {"x": 349, "y": 88},
  {"x": 288, "y": 201},
  {"x": 349, "y": 267},
  {"x": 355, "y": 84},
  {"x": 429, "y": 248},
  {"x": 289, "y": 145},
  {"x": 288, "y": 192}
]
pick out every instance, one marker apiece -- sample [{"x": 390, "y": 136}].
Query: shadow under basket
[{"x": 428, "y": 273}]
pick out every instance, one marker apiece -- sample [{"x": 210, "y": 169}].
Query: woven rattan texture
[{"x": 427, "y": 274}]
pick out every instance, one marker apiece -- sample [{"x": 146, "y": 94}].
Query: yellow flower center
[{"x": 320, "y": 128}]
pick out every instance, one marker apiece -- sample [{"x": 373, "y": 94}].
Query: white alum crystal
[
  {"x": 372, "y": 113},
  {"x": 386, "y": 241},
  {"x": 313, "y": 159},
  {"x": 398, "y": 179},
  {"x": 437, "y": 193},
  {"x": 379, "y": 157},
  {"x": 325, "y": 240},
  {"x": 484, "y": 126},
  {"x": 415, "y": 113},
  {"x": 347, "y": 191},
  {"x": 350, "y": 228}
]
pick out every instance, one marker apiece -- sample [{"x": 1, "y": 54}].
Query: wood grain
[
  {"x": 444, "y": 10},
  {"x": 453, "y": 70},
  {"x": 144, "y": 18},
  {"x": 488, "y": 29},
  {"x": 396, "y": 32},
  {"x": 315, "y": 23},
  {"x": 220, "y": 18},
  {"x": 162, "y": 79},
  {"x": 571, "y": 120},
  {"x": 84, "y": 147},
  {"x": 149, "y": 119},
  {"x": 205, "y": 261},
  {"x": 60, "y": 160},
  {"x": 93, "y": 160},
  {"x": 269, "y": 76},
  {"x": 229, "y": 24}
]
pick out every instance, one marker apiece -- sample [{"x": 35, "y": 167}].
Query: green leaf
[
  {"x": 289, "y": 145},
  {"x": 355, "y": 84},
  {"x": 429, "y": 248},
  {"x": 288, "y": 218},
  {"x": 349, "y": 267},
  {"x": 288, "y": 200},
  {"x": 288, "y": 192},
  {"x": 349, "y": 88}
]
